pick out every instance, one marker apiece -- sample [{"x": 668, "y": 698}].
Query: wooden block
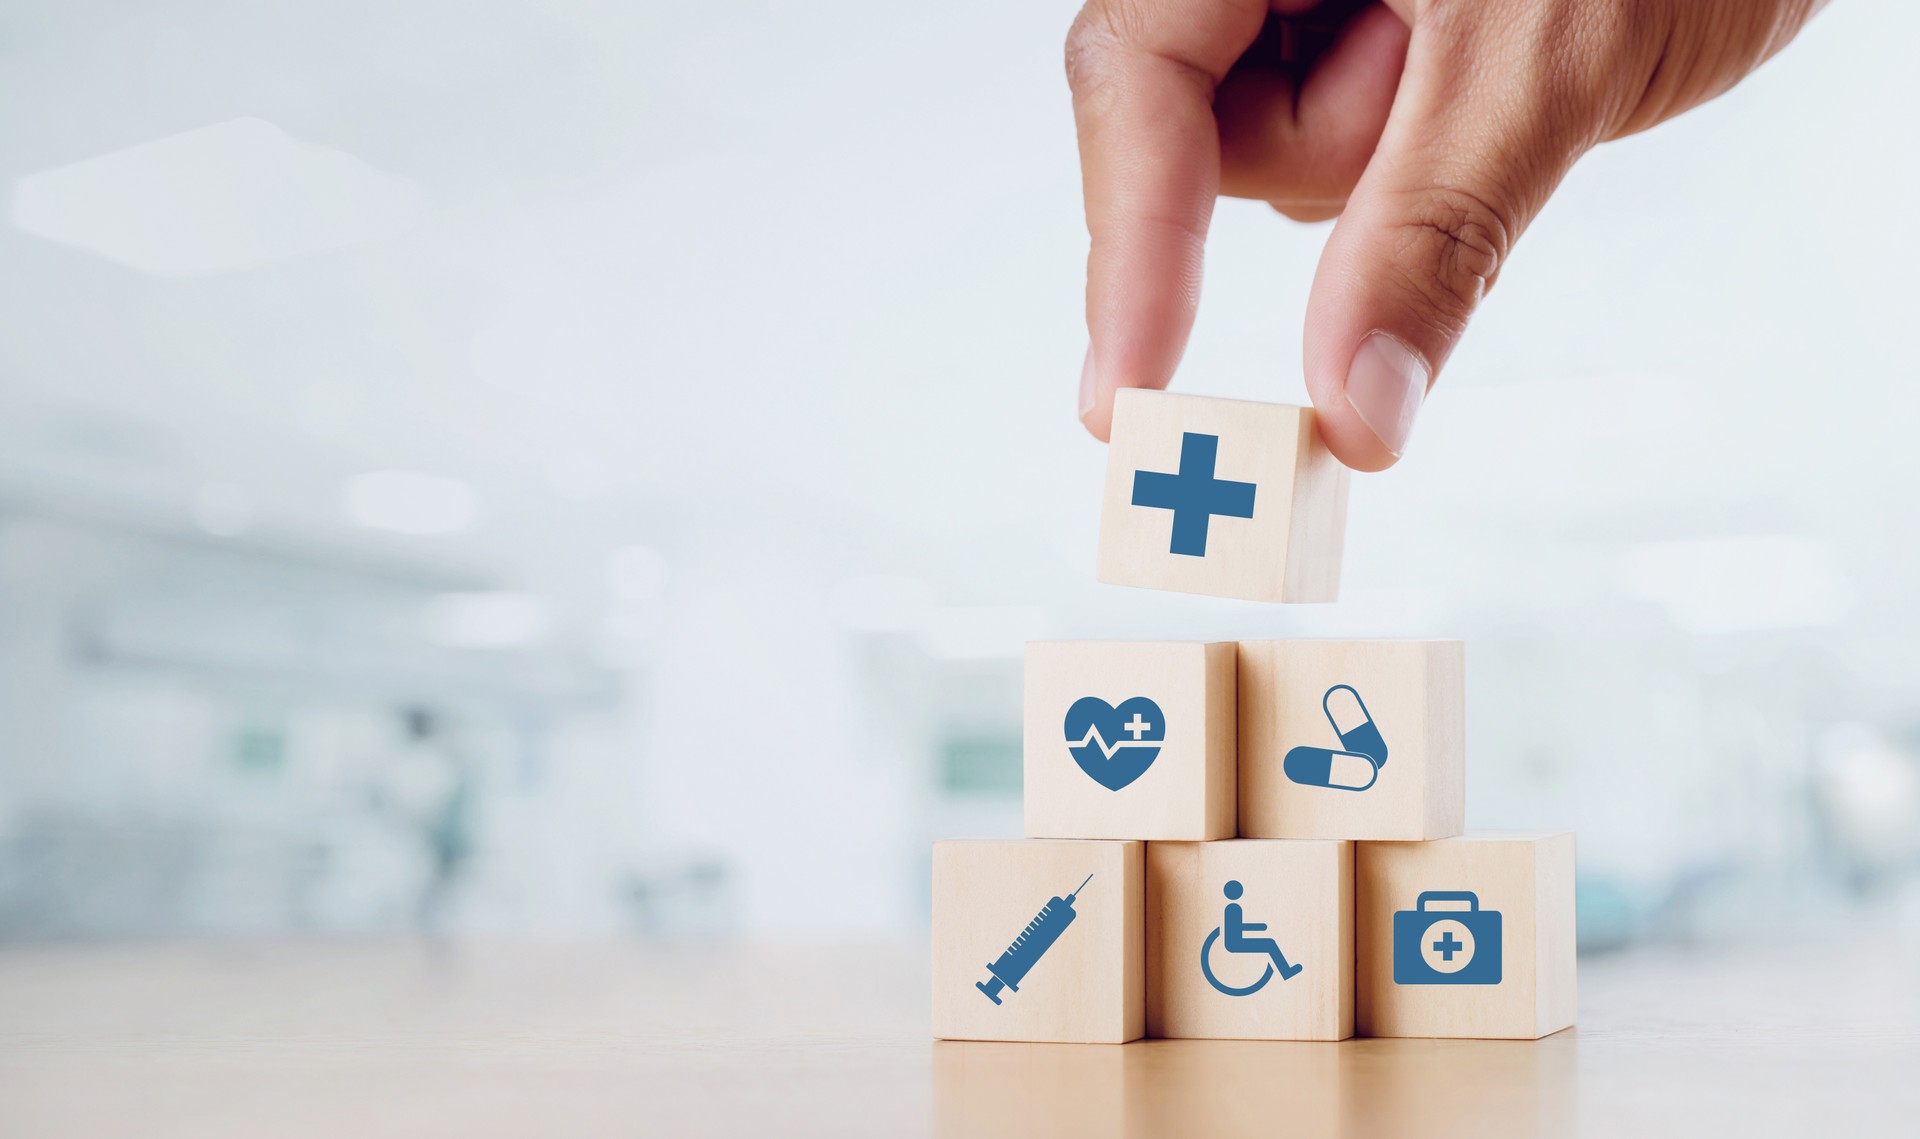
[
  {"x": 1198, "y": 985},
  {"x": 1038, "y": 940},
  {"x": 1130, "y": 740},
  {"x": 1221, "y": 496},
  {"x": 1470, "y": 936},
  {"x": 1314, "y": 713}
]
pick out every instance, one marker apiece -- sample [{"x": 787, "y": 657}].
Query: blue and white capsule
[
  {"x": 1354, "y": 765},
  {"x": 1353, "y": 723}
]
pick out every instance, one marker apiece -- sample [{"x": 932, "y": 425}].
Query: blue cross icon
[
  {"x": 1448, "y": 945},
  {"x": 1193, "y": 495}
]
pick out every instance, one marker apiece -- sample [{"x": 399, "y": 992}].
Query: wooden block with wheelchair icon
[
  {"x": 1250, "y": 939},
  {"x": 1038, "y": 940},
  {"x": 1352, "y": 739},
  {"x": 1470, "y": 936}
]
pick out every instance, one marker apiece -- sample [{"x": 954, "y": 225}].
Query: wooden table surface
[{"x": 320, "y": 1039}]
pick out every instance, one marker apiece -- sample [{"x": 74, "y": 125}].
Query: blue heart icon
[{"x": 1115, "y": 746}]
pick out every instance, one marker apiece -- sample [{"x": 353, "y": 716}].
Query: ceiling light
[
  {"x": 217, "y": 198},
  {"x": 410, "y": 502},
  {"x": 490, "y": 619}
]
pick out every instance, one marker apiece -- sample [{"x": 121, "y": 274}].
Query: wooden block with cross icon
[
  {"x": 1130, "y": 739},
  {"x": 1250, "y": 939},
  {"x": 1471, "y": 936},
  {"x": 1039, "y": 940},
  {"x": 1221, "y": 496},
  {"x": 1352, "y": 739}
]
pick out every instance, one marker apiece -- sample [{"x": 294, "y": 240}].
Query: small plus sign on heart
[
  {"x": 1193, "y": 495},
  {"x": 1448, "y": 945},
  {"x": 1137, "y": 726}
]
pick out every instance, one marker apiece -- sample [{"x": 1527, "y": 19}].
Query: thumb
[{"x": 1481, "y": 132}]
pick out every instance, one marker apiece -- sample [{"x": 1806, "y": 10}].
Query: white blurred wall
[{"x": 737, "y": 347}]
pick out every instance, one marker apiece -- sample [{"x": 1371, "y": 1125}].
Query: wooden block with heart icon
[{"x": 1130, "y": 740}]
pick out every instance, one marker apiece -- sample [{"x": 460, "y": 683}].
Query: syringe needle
[{"x": 1080, "y": 887}]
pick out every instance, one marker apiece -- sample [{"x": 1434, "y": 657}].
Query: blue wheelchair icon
[{"x": 1236, "y": 927}]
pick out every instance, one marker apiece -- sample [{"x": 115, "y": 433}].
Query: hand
[{"x": 1434, "y": 129}]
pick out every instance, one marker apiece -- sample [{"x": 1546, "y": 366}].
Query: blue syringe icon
[{"x": 1035, "y": 940}]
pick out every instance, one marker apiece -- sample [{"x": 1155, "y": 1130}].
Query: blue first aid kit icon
[{"x": 1446, "y": 946}]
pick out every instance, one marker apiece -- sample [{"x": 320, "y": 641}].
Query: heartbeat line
[{"x": 1093, "y": 737}]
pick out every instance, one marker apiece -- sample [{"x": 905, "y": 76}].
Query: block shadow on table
[{"x": 1433, "y": 1088}]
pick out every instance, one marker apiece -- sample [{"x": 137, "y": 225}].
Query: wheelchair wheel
[{"x": 1206, "y": 969}]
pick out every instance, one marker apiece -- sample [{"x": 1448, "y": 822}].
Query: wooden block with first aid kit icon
[
  {"x": 1039, "y": 940},
  {"x": 1221, "y": 496},
  {"x": 1250, "y": 939},
  {"x": 1130, "y": 739},
  {"x": 1352, "y": 739},
  {"x": 1470, "y": 936}
]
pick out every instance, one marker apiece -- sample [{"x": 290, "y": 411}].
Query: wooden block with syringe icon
[{"x": 1039, "y": 940}]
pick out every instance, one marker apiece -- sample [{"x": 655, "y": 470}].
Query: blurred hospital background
[{"x": 578, "y": 468}]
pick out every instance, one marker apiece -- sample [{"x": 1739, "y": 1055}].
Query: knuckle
[
  {"x": 1450, "y": 20},
  {"x": 1453, "y": 244},
  {"x": 1109, "y": 39},
  {"x": 1091, "y": 43},
  {"x": 1595, "y": 60},
  {"x": 1577, "y": 64}
]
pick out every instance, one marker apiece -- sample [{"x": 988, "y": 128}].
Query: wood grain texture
[
  {"x": 500, "y": 1037},
  {"x": 1188, "y": 792},
  {"x": 1416, "y": 694},
  {"x": 1089, "y": 987},
  {"x": 1525, "y": 877},
  {"x": 1302, "y": 890},
  {"x": 1289, "y": 550}
]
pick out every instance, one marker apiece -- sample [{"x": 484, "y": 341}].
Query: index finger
[{"x": 1143, "y": 75}]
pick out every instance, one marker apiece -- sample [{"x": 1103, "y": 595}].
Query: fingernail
[
  {"x": 1086, "y": 383},
  {"x": 1385, "y": 385}
]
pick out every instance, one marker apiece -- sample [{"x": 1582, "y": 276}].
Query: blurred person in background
[{"x": 427, "y": 785}]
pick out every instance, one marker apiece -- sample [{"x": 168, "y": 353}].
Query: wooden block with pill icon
[
  {"x": 1352, "y": 739},
  {"x": 1471, "y": 936},
  {"x": 1223, "y": 497},
  {"x": 1130, "y": 739},
  {"x": 1039, "y": 940},
  {"x": 1250, "y": 939}
]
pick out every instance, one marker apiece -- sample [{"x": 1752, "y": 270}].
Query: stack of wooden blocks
[{"x": 1261, "y": 839}]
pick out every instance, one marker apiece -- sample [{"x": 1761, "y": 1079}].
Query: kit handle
[{"x": 1468, "y": 896}]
